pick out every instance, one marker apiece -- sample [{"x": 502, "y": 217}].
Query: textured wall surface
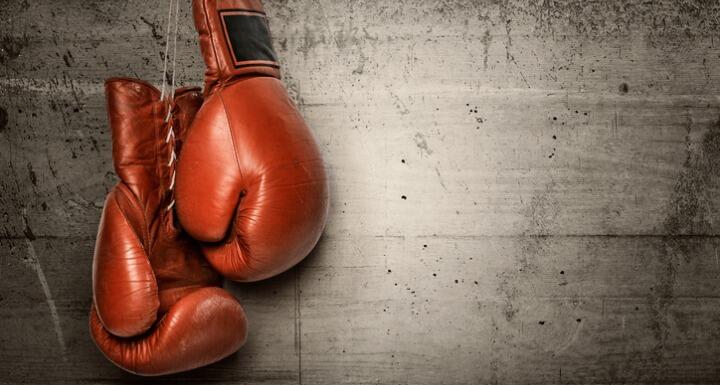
[{"x": 522, "y": 191}]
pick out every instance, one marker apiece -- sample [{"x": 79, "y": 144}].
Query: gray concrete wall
[{"x": 522, "y": 191}]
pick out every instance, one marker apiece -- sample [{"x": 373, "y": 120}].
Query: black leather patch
[{"x": 248, "y": 37}]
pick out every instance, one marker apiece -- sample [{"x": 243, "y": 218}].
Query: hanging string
[
  {"x": 167, "y": 47},
  {"x": 177, "y": 11}
]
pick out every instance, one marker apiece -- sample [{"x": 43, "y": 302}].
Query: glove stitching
[
  {"x": 145, "y": 250},
  {"x": 136, "y": 204},
  {"x": 232, "y": 137},
  {"x": 212, "y": 34}
]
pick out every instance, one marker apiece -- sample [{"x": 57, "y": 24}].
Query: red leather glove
[
  {"x": 158, "y": 307},
  {"x": 251, "y": 180}
]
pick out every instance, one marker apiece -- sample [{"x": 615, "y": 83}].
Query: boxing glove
[
  {"x": 158, "y": 307},
  {"x": 251, "y": 184}
]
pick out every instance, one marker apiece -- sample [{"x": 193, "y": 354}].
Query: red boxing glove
[
  {"x": 158, "y": 306},
  {"x": 251, "y": 180}
]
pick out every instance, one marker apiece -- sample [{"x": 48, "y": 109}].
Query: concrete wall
[{"x": 522, "y": 191}]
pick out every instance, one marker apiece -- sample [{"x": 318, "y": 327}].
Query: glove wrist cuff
[{"x": 235, "y": 40}]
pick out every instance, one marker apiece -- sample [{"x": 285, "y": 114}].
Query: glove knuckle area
[
  {"x": 278, "y": 223},
  {"x": 203, "y": 327}
]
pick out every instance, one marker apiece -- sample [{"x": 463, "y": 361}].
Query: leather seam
[
  {"x": 232, "y": 138},
  {"x": 212, "y": 40},
  {"x": 130, "y": 196},
  {"x": 127, "y": 222}
]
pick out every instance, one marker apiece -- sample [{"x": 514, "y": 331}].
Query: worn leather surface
[
  {"x": 251, "y": 180},
  {"x": 158, "y": 307}
]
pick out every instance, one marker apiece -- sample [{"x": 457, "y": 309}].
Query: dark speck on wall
[
  {"x": 3, "y": 119},
  {"x": 29, "y": 233},
  {"x": 66, "y": 59},
  {"x": 31, "y": 172},
  {"x": 11, "y": 47},
  {"x": 404, "y": 197},
  {"x": 624, "y": 88},
  {"x": 541, "y": 322},
  {"x": 153, "y": 28}
]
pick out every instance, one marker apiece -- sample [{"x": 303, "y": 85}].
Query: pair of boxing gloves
[{"x": 228, "y": 183}]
